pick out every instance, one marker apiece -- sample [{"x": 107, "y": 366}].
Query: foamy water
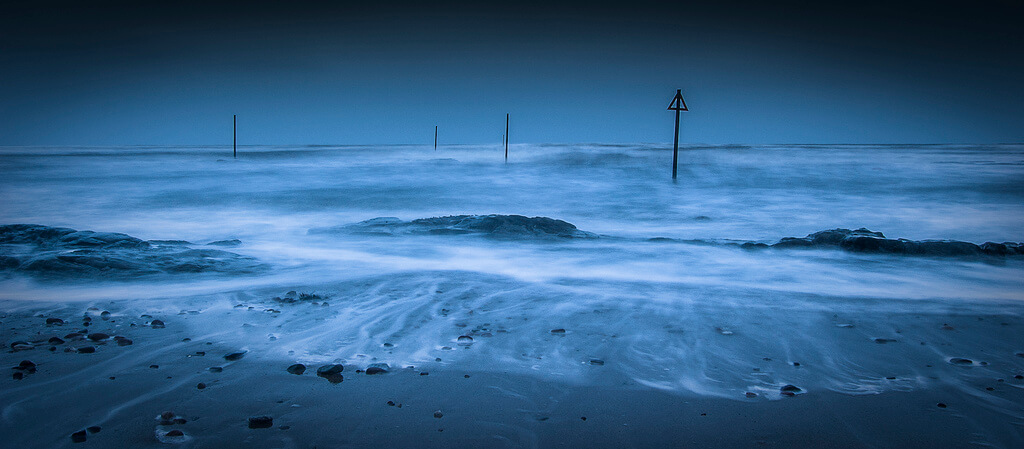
[{"x": 706, "y": 319}]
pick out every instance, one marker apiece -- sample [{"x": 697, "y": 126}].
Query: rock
[
  {"x": 438, "y": 414},
  {"x": 157, "y": 324},
  {"x": 597, "y": 362},
  {"x": 790, "y": 389},
  {"x": 121, "y": 341},
  {"x": 105, "y": 315},
  {"x": 216, "y": 369},
  {"x": 201, "y": 386},
  {"x": 883, "y": 341},
  {"x": 750, "y": 394},
  {"x": 331, "y": 372},
  {"x": 465, "y": 340},
  {"x": 154, "y": 366},
  {"x": 297, "y": 369},
  {"x": 260, "y": 422},
  {"x": 961, "y": 361},
  {"x": 86, "y": 350},
  {"x": 391, "y": 403},
  {"x": 424, "y": 373},
  {"x": 55, "y": 321},
  {"x": 493, "y": 226},
  {"x": 557, "y": 331},
  {"x": 378, "y": 368},
  {"x": 55, "y": 341},
  {"x": 26, "y": 365},
  {"x": 94, "y": 429},
  {"x": 175, "y": 433},
  {"x": 941, "y": 405},
  {"x": 21, "y": 345},
  {"x": 98, "y": 336},
  {"x": 234, "y": 356},
  {"x": 78, "y": 437}
]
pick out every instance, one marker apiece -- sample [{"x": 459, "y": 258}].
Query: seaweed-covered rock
[
  {"x": 866, "y": 241},
  {"x": 494, "y": 226},
  {"x": 48, "y": 252}
]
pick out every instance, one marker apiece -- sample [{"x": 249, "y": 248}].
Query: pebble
[
  {"x": 216, "y": 369},
  {"x": 941, "y": 405},
  {"x": 557, "y": 331},
  {"x": 750, "y": 394},
  {"x": 234, "y": 356},
  {"x": 961, "y": 361},
  {"x": 78, "y": 437},
  {"x": 790, "y": 389},
  {"x": 175, "y": 433},
  {"x": 332, "y": 373},
  {"x": 438, "y": 414},
  {"x": 425, "y": 373},
  {"x": 391, "y": 403},
  {"x": 297, "y": 369},
  {"x": 94, "y": 429},
  {"x": 597, "y": 362},
  {"x": 378, "y": 368},
  {"x": 57, "y": 322},
  {"x": 154, "y": 366},
  {"x": 105, "y": 315},
  {"x": 1018, "y": 377},
  {"x": 86, "y": 350},
  {"x": 157, "y": 324},
  {"x": 98, "y": 336},
  {"x": 260, "y": 422},
  {"x": 584, "y": 418},
  {"x": 201, "y": 386},
  {"x": 465, "y": 340},
  {"x": 21, "y": 345},
  {"x": 55, "y": 341}
]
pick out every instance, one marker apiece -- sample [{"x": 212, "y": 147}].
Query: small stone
[
  {"x": 201, "y": 386},
  {"x": 55, "y": 322},
  {"x": 961, "y": 361},
  {"x": 260, "y": 422},
  {"x": 790, "y": 389},
  {"x": 438, "y": 359},
  {"x": 378, "y": 368},
  {"x": 21, "y": 345},
  {"x": 466, "y": 376},
  {"x": 391, "y": 403},
  {"x": 216, "y": 369},
  {"x": 157, "y": 324},
  {"x": 175, "y": 433},
  {"x": 1018, "y": 377},
  {"x": 105, "y": 315},
  {"x": 438, "y": 414},
  {"x": 750, "y": 394},
  {"x": 94, "y": 429},
  {"x": 86, "y": 350},
  {"x": 558, "y": 331},
  {"x": 584, "y": 418},
  {"x": 597, "y": 362},
  {"x": 26, "y": 365},
  {"x": 327, "y": 370},
  {"x": 297, "y": 369},
  {"x": 55, "y": 341},
  {"x": 424, "y": 373},
  {"x": 465, "y": 340},
  {"x": 78, "y": 437},
  {"x": 98, "y": 336},
  {"x": 989, "y": 388},
  {"x": 234, "y": 356},
  {"x": 167, "y": 415},
  {"x": 941, "y": 405},
  {"x": 883, "y": 341},
  {"x": 180, "y": 420}
]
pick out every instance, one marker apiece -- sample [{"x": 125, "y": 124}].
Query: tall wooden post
[
  {"x": 234, "y": 136},
  {"x": 435, "y": 137},
  {"x": 677, "y": 105},
  {"x": 506, "y": 137}
]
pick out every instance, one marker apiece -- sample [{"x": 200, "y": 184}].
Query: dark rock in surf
[
  {"x": 78, "y": 437},
  {"x": 157, "y": 324},
  {"x": 234, "y": 356},
  {"x": 961, "y": 361},
  {"x": 94, "y": 429},
  {"x": 494, "y": 226},
  {"x": 98, "y": 336},
  {"x": 297, "y": 369},
  {"x": 55, "y": 341},
  {"x": 866, "y": 241},
  {"x": 55, "y": 321},
  {"x": 86, "y": 350}
]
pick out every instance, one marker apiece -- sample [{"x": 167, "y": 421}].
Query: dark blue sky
[{"x": 116, "y": 72}]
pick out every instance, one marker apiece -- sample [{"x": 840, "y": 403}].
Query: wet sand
[{"x": 124, "y": 389}]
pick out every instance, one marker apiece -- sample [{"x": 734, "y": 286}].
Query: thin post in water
[
  {"x": 677, "y": 105},
  {"x": 506, "y": 137},
  {"x": 435, "y": 137},
  {"x": 234, "y": 136}
]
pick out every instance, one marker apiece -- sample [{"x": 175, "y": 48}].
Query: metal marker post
[
  {"x": 234, "y": 136},
  {"x": 677, "y": 105},
  {"x": 435, "y": 137},
  {"x": 506, "y": 137}
]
